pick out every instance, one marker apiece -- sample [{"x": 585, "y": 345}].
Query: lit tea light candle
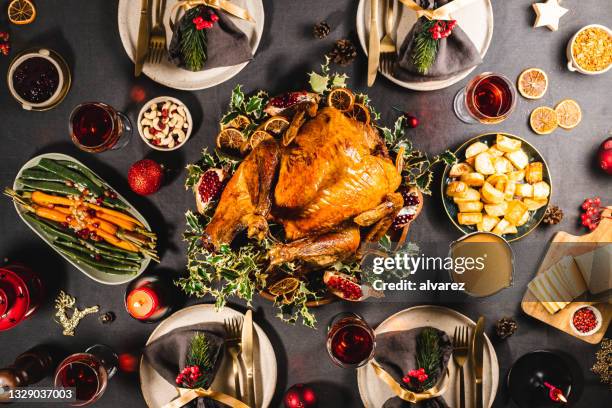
[
  {"x": 555, "y": 393},
  {"x": 142, "y": 303}
]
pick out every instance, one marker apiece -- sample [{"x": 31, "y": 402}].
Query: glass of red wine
[
  {"x": 88, "y": 373},
  {"x": 488, "y": 98},
  {"x": 96, "y": 127},
  {"x": 350, "y": 340}
]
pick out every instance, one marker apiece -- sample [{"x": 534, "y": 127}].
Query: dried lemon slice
[
  {"x": 230, "y": 139},
  {"x": 256, "y": 138},
  {"x": 21, "y": 12},
  {"x": 360, "y": 113},
  {"x": 240, "y": 122},
  {"x": 569, "y": 114},
  {"x": 276, "y": 125},
  {"x": 543, "y": 120},
  {"x": 532, "y": 83},
  {"x": 285, "y": 287},
  {"x": 341, "y": 99}
]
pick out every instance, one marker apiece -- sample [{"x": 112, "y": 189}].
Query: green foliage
[
  {"x": 207, "y": 161},
  {"x": 193, "y": 42},
  {"x": 200, "y": 355},
  {"x": 428, "y": 356},
  {"x": 425, "y": 48},
  {"x": 324, "y": 81}
]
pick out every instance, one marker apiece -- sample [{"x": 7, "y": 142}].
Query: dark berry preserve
[{"x": 36, "y": 80}]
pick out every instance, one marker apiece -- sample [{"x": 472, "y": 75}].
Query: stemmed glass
[
  {"x": 487, "y": 98},
  {"x": 350, "y": 340},
  {"x": 96, "y": 127},
  {"x": 88, "y": 373}
]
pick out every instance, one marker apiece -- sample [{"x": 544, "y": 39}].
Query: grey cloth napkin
[
  {"x": 396, "y": 354},
  {"x": 455, "y": 52},
  {"x": 227, "y": 45},
  {"x": 167, "y": 355}
]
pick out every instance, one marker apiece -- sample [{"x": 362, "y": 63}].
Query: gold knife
[
  {"x": 247, "y": 358},
  {"x": 476, "y": 356},
  {"x": 374, "y": 43},
  {"x": 142, "y": 46}
]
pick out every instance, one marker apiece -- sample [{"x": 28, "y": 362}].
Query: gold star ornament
[{"x": 548, "y": 14}]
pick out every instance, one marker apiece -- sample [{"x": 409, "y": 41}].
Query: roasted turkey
[{"x": 332, "y": 187}]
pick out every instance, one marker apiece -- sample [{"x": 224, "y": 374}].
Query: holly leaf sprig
[
  {"x": 250, "y": 106},
  {"x": 325, "y": 80}
]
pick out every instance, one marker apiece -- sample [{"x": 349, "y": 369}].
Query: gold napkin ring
[
  {"x": 407, "y": 395},
  {"x": 186, "y": 395},
  {"x": 441, "y": 13}
]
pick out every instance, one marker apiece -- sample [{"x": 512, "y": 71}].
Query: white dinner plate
[
  {"x": 157, "y": 392},
  {"x": 375, "y": 392},
  {"x": 169, "y": 74},
  {"x": 475, "y": 19},
  {"x": 89, "y": 271}
]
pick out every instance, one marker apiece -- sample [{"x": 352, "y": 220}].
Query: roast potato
[
  {"x": 475, "y": 148},
  {"x": 469, "y": 218}
]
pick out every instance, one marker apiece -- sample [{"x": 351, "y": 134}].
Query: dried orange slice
[
  {"x": 543, "y": 120},
  {"x": 532, "y": 83},
  {"x": 276, "y": 125},
  {"x": 361, "y": 113},
  {"x": 569, "y": 113},
  {"x": 257, "y": 137},
  {"x": 285, "y": 287},
  {"x": 21, "y": 12},
  {"x": 240, "y": 122},
  {"x": 341, "y": 99},
  {"x": 230, "y": 139}
]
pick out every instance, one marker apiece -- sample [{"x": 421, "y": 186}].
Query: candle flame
[{"x": 561, "y": 397}]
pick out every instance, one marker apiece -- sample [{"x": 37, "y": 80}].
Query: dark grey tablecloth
[{"x": 85, "y": 32}]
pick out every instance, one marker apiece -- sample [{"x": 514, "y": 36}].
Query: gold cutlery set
[
  {"x": 151, "y": 45},
  {"x": 381, "y": 53},
  {"x": 472, "y": 349},
  {"x": 239, "y": 343}
]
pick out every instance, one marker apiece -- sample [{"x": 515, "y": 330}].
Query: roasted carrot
[
  {"x": 41, "y": 198},
  {"x": 63, "y": 210},
  {"x": 103, "y": 225},
  {"x": 114, "y": 213},
  {"x": 111, "y": 239},
  {"x": 51, "y": 214},
  {"x": 125, "y": 224}
]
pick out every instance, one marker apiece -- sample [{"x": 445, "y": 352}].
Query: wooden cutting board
[{"x": 560, "y": 320}]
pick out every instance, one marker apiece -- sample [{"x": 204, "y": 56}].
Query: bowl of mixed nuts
[
  {"x": 164, "y": 123},
  {"x": 589, "y": 51}
]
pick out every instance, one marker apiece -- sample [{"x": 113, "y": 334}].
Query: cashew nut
[
  {"x": 150, "y": 114},
  {"x": 181, "y": 135},
  {"x": 147, "y": 133}
]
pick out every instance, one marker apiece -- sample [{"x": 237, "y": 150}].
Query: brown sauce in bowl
[{"x": 36, "y": 80}]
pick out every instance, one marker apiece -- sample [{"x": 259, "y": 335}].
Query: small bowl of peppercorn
[
  {"x": 38, "y": 79},
  {"x": 586, "y": 320}
]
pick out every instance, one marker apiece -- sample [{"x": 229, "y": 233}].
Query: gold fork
[
  {"x": 460, "y": 352},
  {"x": 387, "y": 45},
  {"x": 233, "y": 330},
  {"x": 157, "y": 41}
]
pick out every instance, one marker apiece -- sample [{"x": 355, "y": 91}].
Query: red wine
[
  {"x": 82, "y": 375},
  {"x": 92, "y": 125},
  {"x": 352, "y": 344},
  {"x": 492, "y": 97}
]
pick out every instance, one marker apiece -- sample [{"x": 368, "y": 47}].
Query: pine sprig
[
  {"x": 200, "y": 355},
  {"x": 428, "y": 356},
  {"x": 193, "y": 42},
  {"x": 425, "y": 48}
]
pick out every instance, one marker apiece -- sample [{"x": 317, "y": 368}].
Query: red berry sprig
[
  {"x": 592, "y": 213},
  {"x": 189, "y": 376},
  {"x": 442, "y": 29},
  {"x": 5, "y": 46},
  {"x": 420, "y": 375},
  {"x": 205, "y": 20}
]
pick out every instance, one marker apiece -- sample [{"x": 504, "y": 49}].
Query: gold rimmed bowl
[{"x": 489, "y": 139}]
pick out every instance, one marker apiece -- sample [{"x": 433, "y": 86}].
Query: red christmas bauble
[
  {"x": 411, "y": 121},
  {"x": 145, "y": 177},
  {"x": 300, "y": 396},
  {"x": 604, "y": 156}
]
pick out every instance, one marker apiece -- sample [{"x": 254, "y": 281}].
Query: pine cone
[
  {"x": 505, "y": 327},
  {"x": 553, "y": 215},
  {"x": 321, "y": 30},
  {"x": 343, "y": 53}
]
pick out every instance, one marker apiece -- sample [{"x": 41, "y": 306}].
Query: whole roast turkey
[{"x": 332, "y": 187}]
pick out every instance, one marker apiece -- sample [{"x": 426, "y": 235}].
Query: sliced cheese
[
  {"x": 569, "y": 272},
  {"x": 542, "y": 297},
  {"x": 558, "y": 284},
  {"x": 557, "y": 291},
  {"x": 544, "y": 286},
  {"x": 596, "y": 268}
]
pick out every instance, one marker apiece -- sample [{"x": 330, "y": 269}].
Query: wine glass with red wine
[
  {"x": 96, "y": 127},
  {"x": 88, "y": 373},
  {"x": 350, "y": 340},
  {"x": 487, "y": 98}
]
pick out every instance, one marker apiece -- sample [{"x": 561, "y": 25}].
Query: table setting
[{"x": 251, "y": 203}]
